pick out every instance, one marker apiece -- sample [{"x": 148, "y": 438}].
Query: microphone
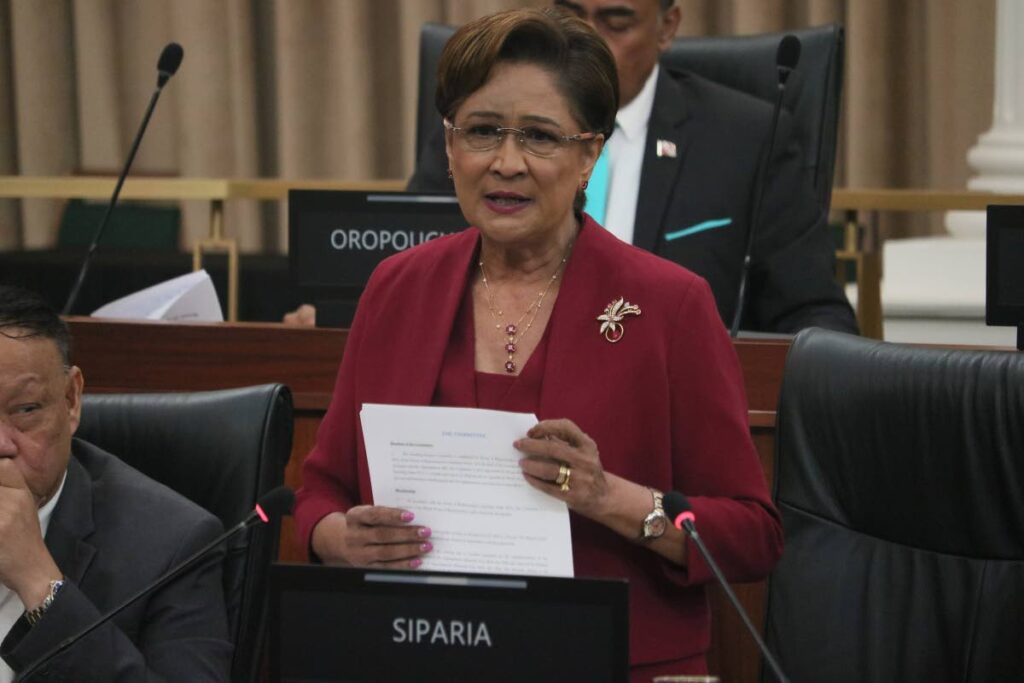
[
  {"x": 170, "y": 60},
  {"x": 271, "y": 505},
  {"x": 786, "y": 57},
  {"x": 678, "y": 509},
  {"x": 167, "y": 65}
]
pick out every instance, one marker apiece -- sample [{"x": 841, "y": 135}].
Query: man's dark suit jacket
[
  {"x": 114, "y": 531},
  {"x": 720, "y": 134}
]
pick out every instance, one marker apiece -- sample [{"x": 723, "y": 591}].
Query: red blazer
[{"x": 665, "y": 405}]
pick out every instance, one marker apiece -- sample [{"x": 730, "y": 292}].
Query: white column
[
  {"x": 999, "y": 155},
  {"x": 934, "y": 287}
]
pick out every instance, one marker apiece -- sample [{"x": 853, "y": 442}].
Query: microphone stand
[
  {"x": 691, "y": 530},
  {"x": 786, "y": 61},
  {"x": 73, "y": 296}
]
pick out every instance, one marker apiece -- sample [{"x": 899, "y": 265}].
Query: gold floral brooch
[{"x": 611, "y": 319}]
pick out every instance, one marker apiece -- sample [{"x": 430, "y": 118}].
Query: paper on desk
[
  {"x": 456, "y": 470},
  {"x": 188, "y": 298}
]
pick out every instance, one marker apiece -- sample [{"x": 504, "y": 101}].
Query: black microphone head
[
  {"x": 675, "y": 503},
  {"x": 276, "y": 502},
  {"x": 786, "y": 57},
  {"x": 170, "y": 60},
  {"x": 788, "y": 53}
]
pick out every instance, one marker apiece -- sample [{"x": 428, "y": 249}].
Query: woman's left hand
[{"x": 553, "y": 444}]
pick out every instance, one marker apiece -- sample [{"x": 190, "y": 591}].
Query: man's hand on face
[{"x": 26, "y": 566}]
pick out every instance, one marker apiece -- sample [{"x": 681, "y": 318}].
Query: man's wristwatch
[
  {"x": 34, "y": 615},
  {"x": 656, "y": 520}
]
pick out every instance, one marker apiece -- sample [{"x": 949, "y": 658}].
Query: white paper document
[
  {"x": 456, "y": 470},
  {"x": 188, "y": 298}
]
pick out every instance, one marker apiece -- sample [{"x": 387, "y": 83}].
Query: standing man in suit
[
  {"x": 680, "y": 179},
  {"x": 80, "y": 532}
]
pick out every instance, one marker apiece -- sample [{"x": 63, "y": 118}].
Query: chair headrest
[{"x": 921, "y": 446}]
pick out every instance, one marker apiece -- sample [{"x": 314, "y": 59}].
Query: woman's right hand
[{"x": 371, "y": 536}]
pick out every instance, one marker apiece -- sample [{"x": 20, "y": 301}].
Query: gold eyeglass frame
[{"x": 521, "y": 139}]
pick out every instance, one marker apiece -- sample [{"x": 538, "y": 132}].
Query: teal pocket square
[{"x": 699, "y": 227}]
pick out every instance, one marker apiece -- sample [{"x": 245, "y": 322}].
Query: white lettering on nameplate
[
  {"x": 379, "y": 240},
  {"x": 440, "y": 632}
]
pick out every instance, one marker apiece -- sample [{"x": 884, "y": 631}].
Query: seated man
[
  {"x": 80, "y": 532},
  {"x": 681, "y": 167}
]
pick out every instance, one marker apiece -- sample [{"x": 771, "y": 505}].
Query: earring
[
  {"x": 450, "y": 176},
  {"x": 583, "y": 187}
]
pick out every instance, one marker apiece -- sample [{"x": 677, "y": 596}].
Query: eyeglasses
[{"x": 483, "y": 137}]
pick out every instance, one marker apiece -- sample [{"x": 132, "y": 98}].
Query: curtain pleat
[
  {"x": 42, "y": 48},
  {"x": 327, "y": 89},
  {"x": 10, "y": 220}
]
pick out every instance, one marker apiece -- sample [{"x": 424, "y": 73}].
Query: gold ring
[
  {"x": 563, "y": 474},
  {"x": 565, "y": 484}
]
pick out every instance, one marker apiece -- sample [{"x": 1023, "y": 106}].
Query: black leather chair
[
  {"x": 222, "y": 450},
  {"x": 745, "y": 63},
  {"x": 900, "y": 479},
  {"x": 813, "y": 91},
  {"x": 432, "y": 41}
]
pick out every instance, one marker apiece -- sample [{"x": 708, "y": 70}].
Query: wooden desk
[
  {"x": 156, "y": 356},
  {"x": 913, "y": 200}
]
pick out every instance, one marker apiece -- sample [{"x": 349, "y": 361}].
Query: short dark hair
[
  {"x": 550, "y": 38},
  {"x": 572, "y": 51},
  {"x": 21, "y": 309}
]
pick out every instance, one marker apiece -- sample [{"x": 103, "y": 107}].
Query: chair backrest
[
  {"x": 432, "y": 41},
  {"x": 222, "y": 450},
  {"x": 900, "y": 479},
  {"x": 745, "y": 63},
  {"x": 813, "y": 91}
]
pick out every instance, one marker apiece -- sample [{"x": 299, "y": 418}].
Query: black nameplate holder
[
  {"x": 337, "y": 624},
  {"x": 336, "y": 238},
  {"x": 1004, "y": 273}
]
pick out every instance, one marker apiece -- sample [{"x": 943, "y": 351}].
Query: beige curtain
[{"x": 327, "y": 89}]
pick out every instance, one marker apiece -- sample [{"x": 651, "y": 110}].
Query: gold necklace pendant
[
  {"x": 513, "y": 336},
  {"x": 510, "y": 347}
]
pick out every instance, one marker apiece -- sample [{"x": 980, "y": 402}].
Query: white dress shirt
[
  {"x": 11, "y": 608},
  {"x": 626, "y": 158}
]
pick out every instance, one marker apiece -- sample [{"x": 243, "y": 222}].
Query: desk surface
[{"x": 305, "y": 358}]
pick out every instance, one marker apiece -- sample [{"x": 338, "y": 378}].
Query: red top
[
  {"x": 460, "y": 385},
  {"x": 665, "y": 405}
]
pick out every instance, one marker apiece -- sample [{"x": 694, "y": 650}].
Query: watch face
[{"x": 654, "y": 525}]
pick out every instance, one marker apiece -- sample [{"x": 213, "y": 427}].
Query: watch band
[
  {"x": 654, "y": 523},
  {"x": 34, "y": 615}
]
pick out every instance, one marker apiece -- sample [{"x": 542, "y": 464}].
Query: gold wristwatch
[
  {"x": 656, "y": 520},
  {"x": 34, "y": 615}
]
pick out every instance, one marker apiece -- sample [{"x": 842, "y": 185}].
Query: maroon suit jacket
[{"x": 665, "y": 405}]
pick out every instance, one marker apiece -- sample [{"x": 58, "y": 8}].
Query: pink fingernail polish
[
  {"x": 424, "y": 532},
  {"x": 408, "y": 516},
  {"x": 415, "y": 564},
  {"x": 426, "y": 547}
]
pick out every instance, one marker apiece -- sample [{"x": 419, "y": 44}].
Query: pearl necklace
[{"x": 512, "y": 335}]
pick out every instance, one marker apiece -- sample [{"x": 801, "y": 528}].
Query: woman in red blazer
[{"x": 620, "y": 353}]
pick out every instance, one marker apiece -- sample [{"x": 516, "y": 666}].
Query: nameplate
[
  {"x": 357, "y": 625},
  {"x": 1004, "y": 278},
  {"x": 336, "y": 238}
]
